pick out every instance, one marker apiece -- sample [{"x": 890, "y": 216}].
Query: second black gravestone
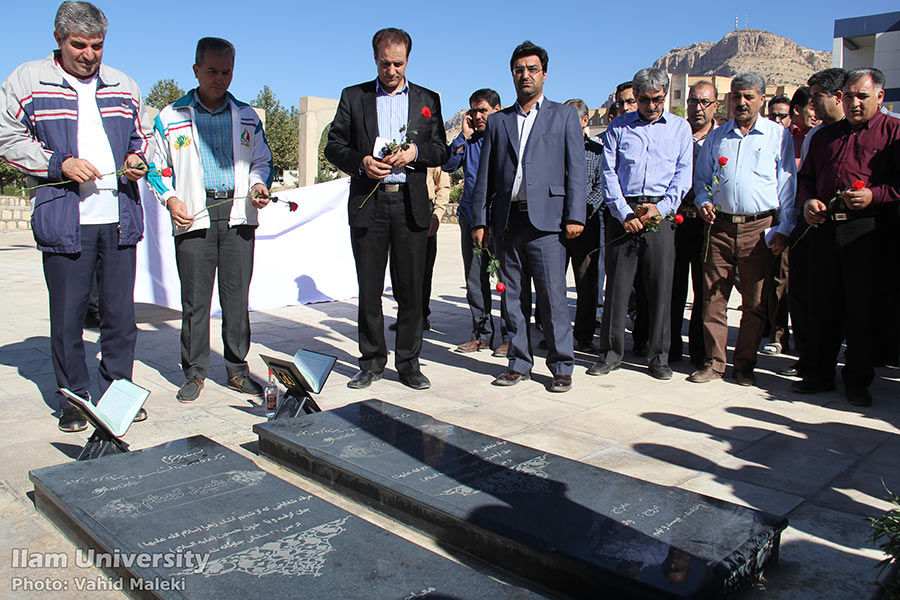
[
  {"x": 578, "y": 529},
  {"x": 193, "y": 519}
]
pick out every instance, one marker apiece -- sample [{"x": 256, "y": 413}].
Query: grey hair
[
  {"x": 215, "y": 45},
  {"x": 647, "y": 80},
  {"x": 579, "y": 105},
  {"x": 857, "y": 74},
  {"x": 80, "y": 18},
  {"x": 749, "y": 80}
]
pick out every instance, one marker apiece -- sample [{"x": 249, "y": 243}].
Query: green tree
[
  {"x": 12, "y": 181},
  {"x": 325, "y": 171},
  {"x": 679, "y": 110},
  {"x": 163, "y": 93},
  {"x": 282, "y": 129}
]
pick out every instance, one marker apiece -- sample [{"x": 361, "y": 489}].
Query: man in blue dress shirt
[
  {"x": 756, "y": 192},
  {"x": 465, "y": 152},
  {"x": 647, "y": 161}
]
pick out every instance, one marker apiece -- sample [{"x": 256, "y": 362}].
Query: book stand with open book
[
  {"x": 111, "y": 418},
  {"x": 303, "y": 376}
]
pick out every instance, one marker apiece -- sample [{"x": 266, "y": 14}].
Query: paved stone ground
[{"x": 815, "y": 459}]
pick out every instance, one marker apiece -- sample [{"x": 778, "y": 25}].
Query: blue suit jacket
[{"x": 555, "y": 169}]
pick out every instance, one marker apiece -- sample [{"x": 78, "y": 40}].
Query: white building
[{"x": 871, "y": 41}]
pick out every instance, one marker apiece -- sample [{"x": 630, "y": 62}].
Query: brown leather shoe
[
  {"x": 510, "y": 377},
  {"x": 744, "y": 377},
  {"x": 473, "y": 345},
  {"x": 704, "y": 375},
  {"x": 502, "y": 350}
]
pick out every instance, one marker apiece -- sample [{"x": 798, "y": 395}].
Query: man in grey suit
[{"x": 532, "y": 181}]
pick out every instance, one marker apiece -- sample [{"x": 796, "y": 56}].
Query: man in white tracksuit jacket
[{"x": 221, "y": 169}]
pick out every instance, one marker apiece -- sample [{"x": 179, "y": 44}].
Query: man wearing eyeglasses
[
  {"x": 637, "y": 304},
  {"x": 751, "y": 193},
  {"x": 532, "y": 189},
  {"x": 779, "y": 110},
  {"x": 702, "y": 104},
  {"x": 647, "y": 161}
]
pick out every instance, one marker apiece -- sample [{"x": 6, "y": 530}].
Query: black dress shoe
[
  {"x": 363, "y": 379},
  {"x": 663, "y": 372},
  {"x": 510, "y": 377},
  {"x": 859, "y": 397},
  {"x": 71, "y": 420},
  {"x": 809, "y": 386},
  {"x": 791, "y": 371},
  {"x": 140, "y": 416},
  {"x": 245, "y": 385},
  {"x": 603, "y": 368},
  {"x": 744, "y": 377},
  {"x": 561, "y": 383},
  {"x": 640, "y": 349},
  {"x": 415, "y": 380}
]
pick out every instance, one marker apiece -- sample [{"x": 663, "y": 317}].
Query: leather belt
[
  {"x": 739, "y": 219},
  {"x": 850, "y": 215},
  {"x": 688, "y": 212},
  {"x": 393, "y": 188},
  {"x": 643, "y": 199},
  {"x": 220, "y": 194}
]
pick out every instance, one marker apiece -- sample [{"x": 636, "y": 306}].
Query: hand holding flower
[
  {"x": 815, "y": 212},
  {"x": 179, "y": 212},
  {"x": 857, "y": 196},
  {"x": 402, "y": 157},
  {"x": 134, "y": 167},
  {"x": 259, "y": 195},
  {"x": 79, "y": 170},
  {"x": 708, "y": 212}
]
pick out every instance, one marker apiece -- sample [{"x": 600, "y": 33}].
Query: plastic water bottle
[{"x": 271, "y": 395}]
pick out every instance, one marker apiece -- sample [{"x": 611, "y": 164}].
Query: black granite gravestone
[
  {"x": 575, "y": 528},
  {"x": 192, "y": 519}
]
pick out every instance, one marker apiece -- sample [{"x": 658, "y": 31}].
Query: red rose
[
  {"x": 857, "y": 185},
  {"x": 679, "y": 219},
  {"x": 292, "y": 206},
  {"x": 426, "y": 112},
  {"x": 723, "y": 161},
  {"x": 167, "y": 172},
  {"x": 501, "y": 287}
]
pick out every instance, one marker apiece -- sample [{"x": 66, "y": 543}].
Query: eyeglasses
[
  {"x": 779, "y": 116},
  {"x": 532, "y": 69},
  {"x": 704, "y": 102},
  {"x": 629, "y": 102},
  {"x": 654, "y": 100}
]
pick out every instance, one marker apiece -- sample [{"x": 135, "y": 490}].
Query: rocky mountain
[{"x": 779, "y": 59}]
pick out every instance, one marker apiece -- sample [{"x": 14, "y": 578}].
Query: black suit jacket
[{"x": 352, "y": 137}]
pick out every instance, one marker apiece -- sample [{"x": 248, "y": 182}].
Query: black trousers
[
  {"x": 69, "y": 278},
  {"x": 583, "y": 252},
  {"x": 199, "y": 255},
  {"x": 689, "y": 242},
  {"x": 392, "y": 231},
  {"x": 842, "y": 282},
  {"x": 651, "y": 256},
  {"x": 798, "y": 297}
]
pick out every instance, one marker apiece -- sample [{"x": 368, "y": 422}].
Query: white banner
[{"x": 300, "y": 257}]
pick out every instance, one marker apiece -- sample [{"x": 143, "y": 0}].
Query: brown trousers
[{"x": 742, "y": 249}]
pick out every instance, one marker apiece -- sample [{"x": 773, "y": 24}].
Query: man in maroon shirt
[{"x": 864, "y": 147}]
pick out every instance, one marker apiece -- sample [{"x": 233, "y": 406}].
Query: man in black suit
[
  {"x": 389, "y": 206},
  {"x": 532, "y": 193}
]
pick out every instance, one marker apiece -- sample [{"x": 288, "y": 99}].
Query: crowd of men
[{"x": 798, "y": 211}]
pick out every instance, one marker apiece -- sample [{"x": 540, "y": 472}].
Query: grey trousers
[{"x": 199, "y": 254}]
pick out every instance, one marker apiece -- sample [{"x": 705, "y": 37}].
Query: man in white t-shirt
[{"x": 78, "y": 130}]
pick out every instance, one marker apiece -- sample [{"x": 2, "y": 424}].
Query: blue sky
[{"x": 315, "y": 49}]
